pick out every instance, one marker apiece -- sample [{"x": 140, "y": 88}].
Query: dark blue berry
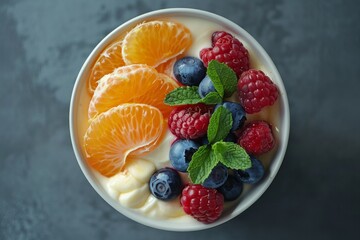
[
  {"x": 238, "y": 113},
  {"x": 231, "y": 189},
  {"x": 189, "y": 71},
  {"x": 217, "y": 177},
  {"x": 181, "y": 153},
  {"x": 165, "y": 184},
  {"x": 206, "y": 86},
  {"x": 231, "y": 137},
  {"x": 253, "y": 174}
]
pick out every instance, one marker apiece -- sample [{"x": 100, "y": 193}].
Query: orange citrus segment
[
  {"x": 108, "y": 60},
  {"x": 167, "y": 67},
  {"x": 155, "y": 42},
  {"x": 125, "y": 130},
  {"x": 136, "y": 83}
]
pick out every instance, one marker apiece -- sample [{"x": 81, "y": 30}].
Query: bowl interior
[{"x": 279, "y": 115}]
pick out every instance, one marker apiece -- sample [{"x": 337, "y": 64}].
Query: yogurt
[{"x": 130, "y": 188}]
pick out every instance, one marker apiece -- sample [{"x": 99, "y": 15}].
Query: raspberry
[
  {"x": 256, "y": 91},
  {"x": 203, "y": 204},
  {"x": 190, "y": 121},
  {"x": 257, "y": 138},
  {"x": 227, "y": 49}
]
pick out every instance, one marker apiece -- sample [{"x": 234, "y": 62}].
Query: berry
[
  {"x": 206, "y": 86},
  {"x": 204, "y": 204},
  {"x": 189, "y": 71},
  {"x": 256, "y": 90},
  {"x": 231, "y": 137},
  {"x": 238, "y": 114},
  {"x": 253, "y": 174},
  {"x": 227, "y": 49},
  {"x": 231, "y": 189},
  {"x": 165, "y": 184},
  {"x": 217, "y": 177},
  {"x": 181, "y": 152},
  {"x": 189, "y": 121},
  {"x": 257, "y": 138}
]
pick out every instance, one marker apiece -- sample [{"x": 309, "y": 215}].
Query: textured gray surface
[{"x": 44, "y": 195}]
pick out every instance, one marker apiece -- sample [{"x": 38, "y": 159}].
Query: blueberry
[
  {"x": 237, "y": 111},
  {"x": 206, "y": 86},
  {"x": 181, "y": 152},
  {"x": 165, "y": 184},
  {"x": 253, "y": 174},
  {"x": 231, "y": 189},
  {"x": 231, "y": 137},
  {"x": 217, "y": 177},
  {"x": 189, "y": 71}
]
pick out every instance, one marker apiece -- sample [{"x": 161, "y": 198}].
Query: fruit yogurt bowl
[{"x": 141, "y": 127}]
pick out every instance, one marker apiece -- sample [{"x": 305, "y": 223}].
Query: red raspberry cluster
[
  {"x": 189, "y": 121},
  {"x": 227, "y": 49}
]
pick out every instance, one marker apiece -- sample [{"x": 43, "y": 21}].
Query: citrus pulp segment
[{"x": 122, "y": 131}]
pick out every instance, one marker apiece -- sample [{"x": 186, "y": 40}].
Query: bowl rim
[{"x": 284, "y": 136}]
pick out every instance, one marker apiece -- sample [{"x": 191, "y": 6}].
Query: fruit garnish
[
  {"x": 227, "y": 49},
  {"x": 203, "y": 204},
  {"x": 217, "y": 177},
  {"x": 109, "y": 59},
  {"x": 155, "y": 42},
  {"x": 224, "y": 83},
  {"x": 231, "y": 189},
  {"x": 189, "y": 71},
  {"x": 208, "y": 156},
  {"x": 167, "y": 67},
  {"x": 181, "y": 152},
  {"x": 137, "y": 83},
  {"x": 257, "y": 138},
  {"x": 237, "y": 112},
  {"x": 256, "y": 91},
  {"x": 206, "y": 86},
  {"x": 121, "y": 132},
  {"x": 189, "y": 122},
  {"x": 251, "y": 175},
  {"x": 165, "y": 184}
]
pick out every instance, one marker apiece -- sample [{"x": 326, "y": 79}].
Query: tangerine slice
[
  {"x": 167, "y": 67},
  {"x": 155, "y": 42},
  {"x": 136, "y": 83},
  {"x": 109, "y": 59},
  {"x": 125, "y": 130}
]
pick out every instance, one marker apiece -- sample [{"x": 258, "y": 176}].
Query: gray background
[{"x": 316, "y": 47}]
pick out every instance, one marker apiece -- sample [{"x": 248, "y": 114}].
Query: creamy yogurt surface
[{"x": 130, "y": 188}]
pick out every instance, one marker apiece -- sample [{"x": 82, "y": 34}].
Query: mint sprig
[
  {"x": 182, "y": 96},
  {"x": 220, "y": 124},
  {"x": 223, "y": 78},
  {"x": 202, "y": 161},
  {"x": 208, "y": 156},
  {"x": 229, "y": 153}
]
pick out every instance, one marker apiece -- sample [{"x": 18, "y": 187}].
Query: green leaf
[
  {"x": 223, "y": 78},
  {"x": 212, "y": 98},
  {"x": 182, "y": 96},
  {"x": 219, "y": 125},
  {"x": 201, "y": 164},
  {"x": 232, "y": 155}
]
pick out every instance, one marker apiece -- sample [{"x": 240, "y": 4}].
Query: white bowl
[{"x": 281, "y": 119}]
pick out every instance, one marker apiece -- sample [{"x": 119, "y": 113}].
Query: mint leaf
[
  {"x": 182, "y": 96},
  {"x": 201, "y": 164},
  {"x": 212, "y": 98},
  {"x": 219, "y": 125},
  {"x": 223, "y": 78},
  {"x": 232, "y": 155}
]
